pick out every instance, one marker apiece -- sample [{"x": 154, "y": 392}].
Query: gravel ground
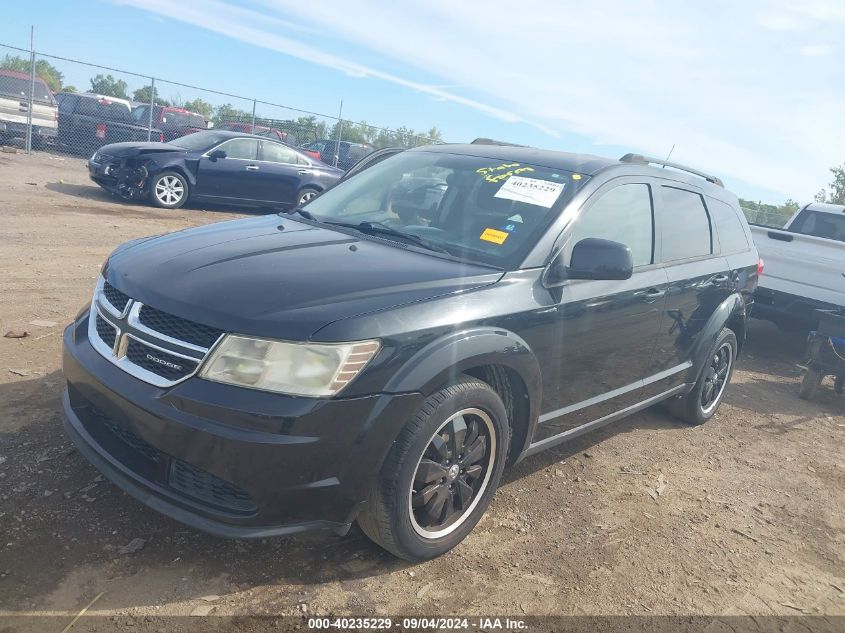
[{"x": 750, "y": 518}]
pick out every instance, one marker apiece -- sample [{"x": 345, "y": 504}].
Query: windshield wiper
[
  {"x": 305, "y": 214},
  {"x": 377, "y": 228}
]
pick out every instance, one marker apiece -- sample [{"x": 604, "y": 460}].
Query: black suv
[{"x": 383, "y": 352}]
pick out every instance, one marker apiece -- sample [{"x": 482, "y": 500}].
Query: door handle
[
  {"x": 651, "y": 295},
  {"x": 303, "y": 172},
  {"x": 718, "y": 280},
  {"x": 252, "y": 167}
]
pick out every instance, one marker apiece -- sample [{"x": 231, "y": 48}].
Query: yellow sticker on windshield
[{"x": 492, "y": 235}]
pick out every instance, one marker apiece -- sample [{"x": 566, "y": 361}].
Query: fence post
[
  {"x": 339, "y": 132},
  {"x": 31, "y": 89},
  {"x": 253, "y": 117},
  {"x": 152, "y": 107}
]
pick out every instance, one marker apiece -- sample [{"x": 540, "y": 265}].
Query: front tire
[
  {"x": 701, "y": 404},
  {"x": 169, "y": 190},
  {"x": 440, "y": 474}
]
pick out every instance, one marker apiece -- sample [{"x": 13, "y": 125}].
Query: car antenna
[{"x": 669, "y": 155}]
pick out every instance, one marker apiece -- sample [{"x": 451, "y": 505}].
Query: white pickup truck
[{"x": 804, "y": 266}]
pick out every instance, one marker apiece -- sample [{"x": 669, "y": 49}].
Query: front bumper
[{"x": 226, "y": 460}]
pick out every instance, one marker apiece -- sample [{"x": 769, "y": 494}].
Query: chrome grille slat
[{"x": 117, "y": 332}]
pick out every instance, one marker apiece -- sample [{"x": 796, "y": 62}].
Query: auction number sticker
[{"x": 543, "y": 193}]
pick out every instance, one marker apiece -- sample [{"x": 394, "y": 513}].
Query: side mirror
[
  {"x": 592, "y": 258},
  {"x": 218, "y": 153}
]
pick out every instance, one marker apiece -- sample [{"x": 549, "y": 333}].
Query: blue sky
[{"x": 753, "y": 91}]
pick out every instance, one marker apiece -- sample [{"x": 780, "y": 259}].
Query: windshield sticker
[
  {"x": 543, "y": 193},
  {"x": 492, "y": 235},
  {"x": 502, "y": 172}
]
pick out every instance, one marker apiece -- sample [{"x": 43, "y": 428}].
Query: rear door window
[
  {"x": 624, "y": 214},
  {"x": 278, "y": 153},
  {"x": 685, "y": 232},
  {"x": 729, "y": 228}
]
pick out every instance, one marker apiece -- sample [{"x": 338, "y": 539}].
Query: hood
[
  {"x": 135, "y": 149},
  {"x": 279, "y": 278}
]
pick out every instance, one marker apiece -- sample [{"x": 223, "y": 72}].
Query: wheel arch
[
  {"x": 731, "y": 313},
  {"x": 498, "y": 357}
]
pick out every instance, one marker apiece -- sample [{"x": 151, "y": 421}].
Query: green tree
[
  {"x": 199, "y": 106},
  {"x": 227, "y": 111},
  {"x": 142, "y": 95},
  {"x": 836, "y": 186},
  {"x": 51, "y": 75},
  {"x": 109, "y": 86}
]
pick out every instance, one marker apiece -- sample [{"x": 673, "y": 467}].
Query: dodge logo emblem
[{"x": 166, "y": 363}]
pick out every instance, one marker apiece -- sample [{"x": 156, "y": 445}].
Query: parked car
[
  {"x": 373, "y": 357},
  {"x": 88, "y": 121},
  {"x": 211, "y": 166},
  {"x": 289, "y": 137},
  {"x": 14, "y": 109},
  {"x": 343, "y": 155},
  {"x": 173, "y": 122},
  {"x": 805, "y": 266}
]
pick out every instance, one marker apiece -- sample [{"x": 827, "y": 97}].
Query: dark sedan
[{"x": 213, "y": 166}]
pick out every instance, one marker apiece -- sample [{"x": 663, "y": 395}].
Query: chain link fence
[{"x": 40, "y": 111}]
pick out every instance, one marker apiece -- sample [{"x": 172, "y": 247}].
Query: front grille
[
  {"x": 129, "y": 438},
  {"x": 106, "y": 331},
  {"x": 178, "y": 328},
  {"x": 207, "y": 488},
  {"x": 115, "y": 297},
  {"x": 159, "y": 362}
]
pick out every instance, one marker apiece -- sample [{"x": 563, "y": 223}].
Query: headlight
[{"x": 300, "y": 369}]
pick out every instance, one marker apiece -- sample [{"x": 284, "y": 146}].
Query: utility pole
[{"x": 339, "y": 133}]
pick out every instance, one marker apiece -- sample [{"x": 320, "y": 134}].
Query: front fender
[
  {"x": 442, "y": 361},
  {"x": 733, "y": 306}
]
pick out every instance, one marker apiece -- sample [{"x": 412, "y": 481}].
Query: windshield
[
  {"x": 479, "y": 209},
  {"x": 200, "y": 140},
  {"x": 19, "y": 88}
]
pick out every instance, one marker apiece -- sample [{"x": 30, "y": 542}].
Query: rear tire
[
  {"x": 810, "y": 384},
  {"x": 306, "y": 194},
  {"x": 440, "y": 474},
  {"x": 169, "y": 190},
  {"x": 701, "y": 404}
]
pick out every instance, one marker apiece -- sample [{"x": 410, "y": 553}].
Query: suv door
[
  {"x": 699, "y": 278},
  {"x": 595, "y": 359}
]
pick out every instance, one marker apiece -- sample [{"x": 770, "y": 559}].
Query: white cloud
[
  {"x": 815, "y": 50},
  {"x": 719, "y": 80}
]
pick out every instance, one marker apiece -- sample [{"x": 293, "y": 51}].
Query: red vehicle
[
  {"x": 173, "y": 122},
  {"x": 289, "y": 138}
]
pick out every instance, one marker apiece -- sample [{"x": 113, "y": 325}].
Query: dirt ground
[{"x": 750, "y": 519}]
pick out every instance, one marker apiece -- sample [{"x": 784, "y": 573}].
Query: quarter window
[
  {"x": 728, "y": 226},
  {"x": 623, "y": 214},
  {"x": 244, "y": 148},
  {"x": 686, "y": 225}
]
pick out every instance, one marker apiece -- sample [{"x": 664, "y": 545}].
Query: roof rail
[
  {"x": 648, "y": 160},
  {"x": 490, "y": 141}
]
